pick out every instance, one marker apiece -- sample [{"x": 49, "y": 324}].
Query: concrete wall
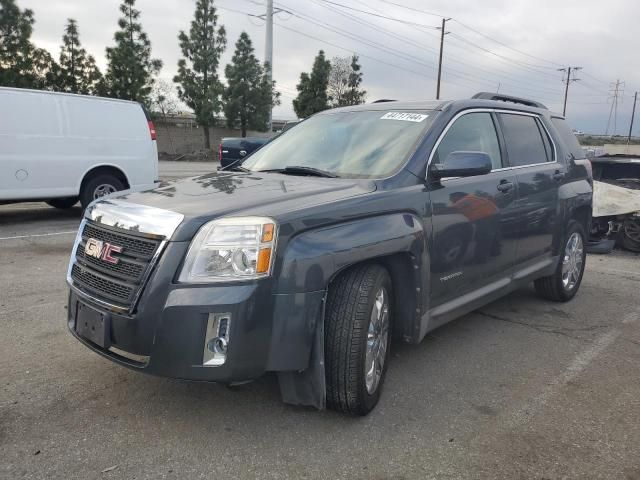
[
  {"x": 187, "y": 137},
  {"x": 616, "y": 149}
]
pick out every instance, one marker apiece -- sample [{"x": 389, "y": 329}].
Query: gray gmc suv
[{"x": 360, "y": 225}]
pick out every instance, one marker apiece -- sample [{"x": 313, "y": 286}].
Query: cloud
[{"x": 400, "y": 60}]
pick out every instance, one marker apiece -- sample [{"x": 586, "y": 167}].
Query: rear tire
[
  {"x": 565, "y": 281},
  {"x": 99, "y": 186},
  {"x": 357, "y": 338},
  {"x": 63, "y": 203}
]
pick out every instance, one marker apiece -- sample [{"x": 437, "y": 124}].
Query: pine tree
[
  {"x": 131, "y": 70},
  {"x": 199, "y": 85},
  {"x": 22, "y": 64},
  {"x": 78, "y": 72},
  {"x": 312, "y": 89},
  {"x": 354, "y": 95},
  {"x": 249, "y": 95}
]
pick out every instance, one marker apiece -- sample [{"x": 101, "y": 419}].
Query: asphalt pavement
[{"x": 522, "y": 388}]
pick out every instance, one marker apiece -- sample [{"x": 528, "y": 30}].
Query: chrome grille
[{"x": 118, "y": 283}]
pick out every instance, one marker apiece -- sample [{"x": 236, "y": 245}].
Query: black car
[
  {"x": 234, "y": 149},
  {"x": 358, "y": 225}
]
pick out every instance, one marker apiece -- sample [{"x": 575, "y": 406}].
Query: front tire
[
  {"x": 99, "y": 186},
  {"x": 565, "y": 281},
  {"x": 357, "y": 338}
]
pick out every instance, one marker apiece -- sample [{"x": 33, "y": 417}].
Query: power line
[
  {"x": 377, "y": 28},
  {"x": 426, "y": 12},
  {"x": 379, "y": 15},
  {"x": 458, "y": 73}
]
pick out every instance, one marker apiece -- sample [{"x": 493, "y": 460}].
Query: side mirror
[{"x": 463, "y": 164}]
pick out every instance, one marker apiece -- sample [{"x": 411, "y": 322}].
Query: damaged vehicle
[
  {"x": 360, "y": 224},
  {"x": 616, "y": 203}
]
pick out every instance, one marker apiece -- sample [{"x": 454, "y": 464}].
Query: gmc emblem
[{"x": 102, "y": 250}]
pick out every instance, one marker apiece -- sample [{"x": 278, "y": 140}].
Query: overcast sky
[{"x": 528, "y": 41}]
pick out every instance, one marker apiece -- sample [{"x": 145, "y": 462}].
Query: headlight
[{"x": 230, "y": 249}]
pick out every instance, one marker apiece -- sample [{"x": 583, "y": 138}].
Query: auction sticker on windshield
[{"x": 404, "y": 116}]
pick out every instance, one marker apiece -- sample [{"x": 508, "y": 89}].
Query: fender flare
[{"x": 313, "y": 258}]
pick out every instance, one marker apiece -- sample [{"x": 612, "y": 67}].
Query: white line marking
[
  {"x": 580, "y": 362},
  {"x": 39, "y": 235},
  {"x": 616, "y": 272},
  {"x": 575, "y": 368}
]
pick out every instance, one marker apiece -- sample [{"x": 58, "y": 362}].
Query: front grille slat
[
  {"x": 118, "y": 283},
  {"x": 125, "y": 268}
]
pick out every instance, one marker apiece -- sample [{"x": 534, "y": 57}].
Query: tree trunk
[
  {"x": 207, "y": 141},
  {"x": 243, "y": 127}
]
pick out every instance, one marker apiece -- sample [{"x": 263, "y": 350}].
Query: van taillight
[
  {"x": 152, "y": 130},
  {"x": 220, "y": 153}
]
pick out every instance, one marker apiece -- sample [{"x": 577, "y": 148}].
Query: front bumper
[{"x": 166, "y": 335}]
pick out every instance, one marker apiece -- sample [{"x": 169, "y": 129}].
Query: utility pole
[
  {"x": 633, "y": 114},
  {"x": 442, "y": 34},
  {"x": 616, "y": 91},
  {"x": 567, "y": 81},
  {"x": 268, "y": 54}
]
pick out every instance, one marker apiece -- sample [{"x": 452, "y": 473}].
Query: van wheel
[
  {"x": 99, "y": 186},
  {"x": 63, "y": 203},
  {"x": 565, "y": 282},
  {"x": 357, "y": 338}
]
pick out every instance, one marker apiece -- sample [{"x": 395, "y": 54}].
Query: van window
[
  {"x": 29, "y": 114},
  {"x": 105, "y": 119},
  {"x": 522, "y": 139},
  {"x": 568, "y": 138},
  {"x": 473, "y": 132}
]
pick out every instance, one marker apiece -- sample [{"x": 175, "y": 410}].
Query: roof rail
[
  {"x": 383, "y": 100},
  {"x": 508, "y": 98}
]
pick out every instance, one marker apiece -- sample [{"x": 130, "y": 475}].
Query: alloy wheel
[
  {"x": 572, "y": 261},
  {"x": 377, "y": 340}
]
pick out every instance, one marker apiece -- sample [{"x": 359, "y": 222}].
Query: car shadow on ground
[
  {"x": 199, "y": 403},
  {"x": 15, "y": 214}
]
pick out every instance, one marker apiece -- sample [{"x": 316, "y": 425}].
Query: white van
[{"x": 62, "y": 148}]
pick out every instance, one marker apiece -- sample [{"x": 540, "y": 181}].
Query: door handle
[
  {"x": 505, "y": 186},
  {"x": 243, "y": 153},
  {"x": 558, "y": 175}
]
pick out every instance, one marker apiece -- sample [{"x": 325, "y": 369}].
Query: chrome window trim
[{"x": 494, "y": 110}]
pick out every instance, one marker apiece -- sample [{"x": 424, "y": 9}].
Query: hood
[{"x": 200, "y": 199}]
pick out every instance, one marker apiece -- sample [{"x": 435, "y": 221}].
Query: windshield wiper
[{"x": 300, "y": 170}]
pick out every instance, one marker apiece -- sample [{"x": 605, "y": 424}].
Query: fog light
[{"x": 216, "y": 339}]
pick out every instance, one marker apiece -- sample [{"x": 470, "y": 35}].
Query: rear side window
[
  {"x": 523, "y": 140},
  {"x": 473, "y": 132},
  {"x": 569, "y": 139}
]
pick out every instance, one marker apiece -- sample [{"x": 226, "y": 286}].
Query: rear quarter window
[{"x": 568, "y": 138}]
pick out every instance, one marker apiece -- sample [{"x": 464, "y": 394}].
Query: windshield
[{"x": 365, "y": 144}]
